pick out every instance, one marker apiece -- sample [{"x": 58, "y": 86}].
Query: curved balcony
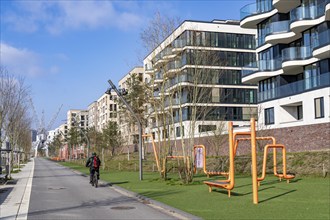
[
  {"x": 254, "y": 13},
  {"x": 284, "y": 6},
  {"x": 266, "y": 68},
  {"x": 305, "y": 17},
  {"x": 294, "y": 88},
  {"x": 295, "y": 57},
  {"x": 321, "y": 45},
  {"x": 279, "y": 32}
]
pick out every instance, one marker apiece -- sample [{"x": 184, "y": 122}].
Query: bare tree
[{"x": 13, "y": 110}]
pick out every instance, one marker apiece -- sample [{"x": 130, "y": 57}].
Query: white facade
[
  {"x": 106, "y": 110},
  {"x": 293, "y": 61}
]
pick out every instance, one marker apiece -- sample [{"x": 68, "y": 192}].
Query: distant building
[
  {"x": 129, "y": 131},
  {"x": 77, "y": 118}
]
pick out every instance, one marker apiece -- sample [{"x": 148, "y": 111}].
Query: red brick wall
[{"x": 296, "y": 139}]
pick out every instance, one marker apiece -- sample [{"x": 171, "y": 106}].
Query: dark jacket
[{"x": 90, "y": 162}]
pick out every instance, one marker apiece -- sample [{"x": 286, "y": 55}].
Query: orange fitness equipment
[
  {"x": 162, "y": 170},
  {"x": 230, "y": 182},
  {"x": 154, "y": 149},
  {"x": 208, "y": 173}
]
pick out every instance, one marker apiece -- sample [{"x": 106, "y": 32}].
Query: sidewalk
[{"x": 15, "y": 196}]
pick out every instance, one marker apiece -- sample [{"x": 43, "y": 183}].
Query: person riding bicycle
[{"x": 94, "y": 165}]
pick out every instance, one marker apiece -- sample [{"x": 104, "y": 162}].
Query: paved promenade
[{"x": 15, "y": 200}]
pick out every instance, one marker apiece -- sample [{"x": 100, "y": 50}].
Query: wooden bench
[{"x": 217, "y": 184}]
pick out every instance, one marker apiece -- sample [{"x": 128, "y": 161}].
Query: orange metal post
[
  {"x": 254, "y": 161},
  {"x": 154, "y": 148}
]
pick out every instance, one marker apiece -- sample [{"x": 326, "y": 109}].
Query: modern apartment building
[
  {"x": 92, "y": 115},
  {"x": 129, "y": 131},
  {"x": 77, "y": 118},
  {"x": 106, "y": 110},
  {"x": 196, "y": 73},
  {"x": 293, "y": 69}
]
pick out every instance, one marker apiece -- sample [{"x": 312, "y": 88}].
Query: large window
[
  {"x": 205, "y": 128},
  {"x": 269, "y": 116},
  {"x": 319, "y": 107}
]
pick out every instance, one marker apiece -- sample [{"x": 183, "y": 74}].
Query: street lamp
[{"x": 136, "y": 118}]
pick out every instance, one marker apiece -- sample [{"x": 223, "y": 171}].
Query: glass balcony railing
[
  {"x": 296, "y": 87},
  {"x": 159, "y": 75},
  {"x": 262, "y": 65},
  {"x": 256, "y": 8},
  {"x": 179, "y": 43},
  {"x": 296, "y": 53},
  {"x": 176, "y": 80},
  {"x": 278, "y": 27},
  {"x": 273, "y": 28},
  {"x": 175, "y": 64},
  {"x": 307, "y": 12},
  {"x": 321, "y": 39}
]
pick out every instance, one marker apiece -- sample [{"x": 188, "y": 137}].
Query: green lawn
[{"x": 302, "y": 198}]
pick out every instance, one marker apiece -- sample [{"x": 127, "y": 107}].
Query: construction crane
[{"x": 42, "y": 130}]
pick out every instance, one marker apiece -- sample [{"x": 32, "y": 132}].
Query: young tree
[{"x": 158, "y": 29}]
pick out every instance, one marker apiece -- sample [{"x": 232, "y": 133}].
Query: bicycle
[{"x": 95, "y": 180}]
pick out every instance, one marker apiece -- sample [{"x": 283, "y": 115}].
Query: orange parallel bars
[
  {"x": 208, "y": 173},
  {"x": 284, "y": 175}
]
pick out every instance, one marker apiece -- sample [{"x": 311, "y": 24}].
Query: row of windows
[
  {"x": 215, "y": 39},
  {"x": 318, "y": 111},
  {"x": 217, "y": 58}
]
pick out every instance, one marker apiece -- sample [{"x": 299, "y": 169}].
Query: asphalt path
[{"x": 60, "y": 193}]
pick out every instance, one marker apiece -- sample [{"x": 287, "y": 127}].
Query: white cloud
[
  {"x": 59, "y": 16},
  {"x": 20, "y": 60}
]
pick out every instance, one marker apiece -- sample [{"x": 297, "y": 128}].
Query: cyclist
[{"x": 94, "y": 165}]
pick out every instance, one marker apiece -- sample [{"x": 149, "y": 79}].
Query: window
[
  {"x": 178, "y": 131},
  {"x": 319, "y": 107},
  {"x": 205, "y": 128},
  {"x": 299, "y": 112},
  {"x": 269, "y": 116}
]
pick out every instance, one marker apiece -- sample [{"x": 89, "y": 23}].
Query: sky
[{"x": 67, "y": 50}]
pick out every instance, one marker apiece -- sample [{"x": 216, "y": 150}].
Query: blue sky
[{"x": 67, "y": 50}]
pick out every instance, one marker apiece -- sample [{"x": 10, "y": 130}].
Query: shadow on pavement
[
  {"x": 84, "y": 205},
  {"x": 4, "y": 192}
]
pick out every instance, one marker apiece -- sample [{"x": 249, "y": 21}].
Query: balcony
[
  {"x": 167, "y": 53},
  {"x": 279, "y": 32},
  {"x": 305, "y": 17},
  {"x": 321, "y": 45},
  {"x": 176, "y": 80},
  {"x": 173, "y": 67},
  {"x": 284, "y": 6},
  {"x": 254, "y": 13},
  {"x": 178, "y": 45},
  {"x": 298, "y": 87},
  {"x": 149, "y": 70},
  {"x": 159, "y": 76},
  {"x": 263, "y": 66},
  {"x": 296, "y": 57}
]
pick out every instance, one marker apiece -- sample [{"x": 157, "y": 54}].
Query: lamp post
[{"x": 136, "y": 118}]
